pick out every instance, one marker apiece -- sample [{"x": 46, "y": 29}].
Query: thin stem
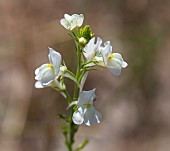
[
  {"x": 81, "y": 76},
  {"x": 72, "y": 127},
  {"x": 68, "y": 96}
]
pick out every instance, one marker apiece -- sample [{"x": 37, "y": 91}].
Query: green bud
[{"x": 85, "y": 34}]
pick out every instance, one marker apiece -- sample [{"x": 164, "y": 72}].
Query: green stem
[
  {"x": 77, "y": 72},
  {"x": 81, "y": 76},
  {"x": 68, "y": 96},
  {"x": 72, "y": 127}
]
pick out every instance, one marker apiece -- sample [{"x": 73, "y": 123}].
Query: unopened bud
[{"x": 82, "y": 40}]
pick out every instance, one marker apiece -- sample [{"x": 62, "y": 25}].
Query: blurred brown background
[{"x": 135, "y": 106}]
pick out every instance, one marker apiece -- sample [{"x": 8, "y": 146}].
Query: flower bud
[{"x": 82, "y": 41}]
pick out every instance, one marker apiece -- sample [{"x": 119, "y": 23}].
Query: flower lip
[
  {"x": 86, "y": 112},
  {"x": 78, "y": 116}
]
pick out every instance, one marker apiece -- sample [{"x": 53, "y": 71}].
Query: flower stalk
[{"x": 89, "y": 54}]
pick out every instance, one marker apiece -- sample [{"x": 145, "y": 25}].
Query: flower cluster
[{"x": 90, "y": 52}]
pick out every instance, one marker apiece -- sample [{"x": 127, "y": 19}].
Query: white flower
[
  {"x": 46, "y": 73},
  {"x": 91, "y": 48},
  {"x": 86, "y": 112},
  {"x": 113, "y": 61},
  {"x": 70, "y": 22}
]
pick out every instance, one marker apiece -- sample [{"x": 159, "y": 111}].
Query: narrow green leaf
[{"x": 82, "y": 145}]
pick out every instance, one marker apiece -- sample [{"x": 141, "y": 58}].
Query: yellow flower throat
[
  {"x": 50, "y": 66},
  {"x": 87, "y": 105},
  {"x": 111, "y": 56}
]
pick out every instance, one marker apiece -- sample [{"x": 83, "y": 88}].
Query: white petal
[
  {"x": 80, "y": 20},
  {"x": 98, "y": 116},
  {"x": 62, "y": 70},
  {"x": 75, "y": 16},
  {"x": 124, "y": 64},
  {"x": 39, "y": 71},
  {"x": 86, "y": 97},
  {"x": 99, "y": 60},
  {"x": 67, "y": 17},
  {"x": 114, "y": 65},
  {"x": 47, "y": 76},
  {"x": 78, "y": 116},
  {"x": 89, "y": 52},
  {"x": 77, "y": 20},
  {"x": 89, "y": 116},
  {"x": 72, "y": 20},
  {"x": 114, "y": 62},
  {"x": 107, "y": 43},
  {"x": 118, "y": 56},
  {"x": 36, "y": 71},
  {"x": 106, "y": 51},
  {"x": 91, "y": 48},
  {"x": 98, "y": 44},
  {"x": 38, "y": 85},
  {"x": 108, "y": 46},
  {"x": 73, "y": 24},
  {"x": 115, "y": 70},
  {"x": 65, "y": 23},
  {"x": 83, "y": 80},
  {"x": 55, "y": 59}
]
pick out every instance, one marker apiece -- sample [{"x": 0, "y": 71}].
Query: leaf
[
  {"x": 82, "y": 145},
  {"x": 62, "y": 116},
  {"x": 64, "y": 129}
]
